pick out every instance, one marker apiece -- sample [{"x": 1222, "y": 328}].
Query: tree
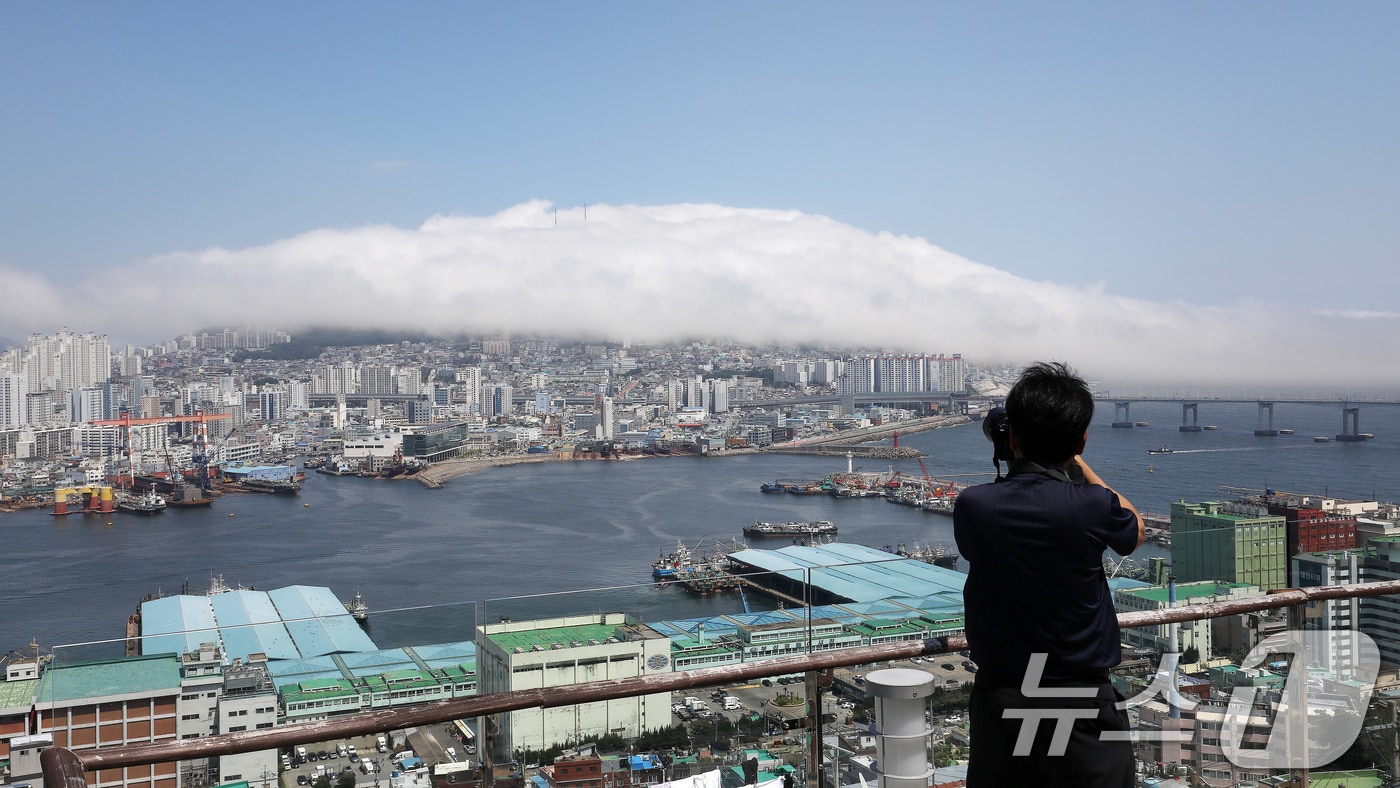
[
  {"x": 1191, "y": 656},
  {"x": 345, "y": 780}
]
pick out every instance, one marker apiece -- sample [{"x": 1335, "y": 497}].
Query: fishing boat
[
  {"x": 1161, "y": 450},
  {"x": 357, "y": 607}
]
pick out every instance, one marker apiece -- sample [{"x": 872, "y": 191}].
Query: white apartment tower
[
  {"x": 66, "y": 361},
  {"x": 14, "y": 392},
  {"x": 952, "y": 373}
]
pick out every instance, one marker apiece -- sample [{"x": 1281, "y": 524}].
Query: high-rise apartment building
[
  {"x": 274, "y": 403},
  {"x": 501, "y": 404},
  {"x": 14, "y": 395},
  {"x": 86, "y": 405},
  {"x": 64, "y": 361},
  {"x": 377, "y": 379},
  {"x": 952, "y": 373}
]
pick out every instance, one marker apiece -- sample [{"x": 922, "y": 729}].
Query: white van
[
  {"x": 732, "y": 703},
  {"x": 381, "y": 744}
]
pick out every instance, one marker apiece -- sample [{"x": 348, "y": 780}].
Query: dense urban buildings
[{"x": 243, "y": 660}]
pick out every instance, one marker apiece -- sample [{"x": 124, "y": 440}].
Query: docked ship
[
  {"x": 938, "y": 556},
  {"x": 791, "y": 528},
  {"x": 357, "y": 607},
  {"x": 144, "y": 503},
  {"x": 697, "y": 572},
  {"x": 276, "y": 486}
]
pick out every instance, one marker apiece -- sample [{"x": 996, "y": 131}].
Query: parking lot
[
  {"x": 948, "y": 671},
  {"x": 368, "y": 765}
]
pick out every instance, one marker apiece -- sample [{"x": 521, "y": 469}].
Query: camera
[{"x": 996, "y": 425}]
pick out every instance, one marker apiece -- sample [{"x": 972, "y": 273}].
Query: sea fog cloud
[{"x": 689, "y": 271}]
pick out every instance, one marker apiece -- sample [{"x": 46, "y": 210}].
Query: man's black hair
[{"x": 1049, "y": 408}]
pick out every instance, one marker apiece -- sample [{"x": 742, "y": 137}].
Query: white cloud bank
[{"x": 690, "y": 271}]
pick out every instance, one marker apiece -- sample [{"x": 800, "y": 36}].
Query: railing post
[
  {"x": 1297, "y": 699},
  {"x": 62, "y": 769},
  {"x": 815, "y": 680}
]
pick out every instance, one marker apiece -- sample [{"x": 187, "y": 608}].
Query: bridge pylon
[
  {"x": 1263, "y": 431},
  {"x": 1351, "y": 426},
  {"x": 1189, "y": 409},
  {"x": 1120, "y": 415}
]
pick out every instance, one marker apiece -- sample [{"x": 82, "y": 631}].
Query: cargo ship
[{"x": 791, "y": 528}]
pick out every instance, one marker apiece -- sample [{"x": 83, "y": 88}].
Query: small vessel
[
  {"x": 357, "y": 607},
  {"x": 145, "y": 503},
  {"x": 1141, "y": 423},
  {"x": 791, "y": 528},
  {"x": 1161, "y": 450},
  {"x": 1210, "y": 427},
  {"x": 1320, "y": 439},
  {"x": 1285, "y": 432}
]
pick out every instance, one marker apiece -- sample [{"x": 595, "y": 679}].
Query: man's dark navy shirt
[{"x": 1036, "y": 582}]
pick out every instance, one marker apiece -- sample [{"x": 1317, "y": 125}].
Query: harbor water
[{"x": 531, "y": 540}]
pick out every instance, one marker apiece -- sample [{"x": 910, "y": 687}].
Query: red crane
[{"x": 201, "y": 439}]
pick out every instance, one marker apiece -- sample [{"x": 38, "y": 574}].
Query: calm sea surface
[{"x": 529, "y": 541}]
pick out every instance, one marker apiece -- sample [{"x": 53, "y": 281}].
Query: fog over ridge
[{"x": 660, "y": 273}]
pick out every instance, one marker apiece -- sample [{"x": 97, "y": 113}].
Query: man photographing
[{"x": 1040, "y": 619}]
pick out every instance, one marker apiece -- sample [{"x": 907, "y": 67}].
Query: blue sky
[{"x": 1198, "y": 154}]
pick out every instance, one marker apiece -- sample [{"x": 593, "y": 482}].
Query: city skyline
[{"x": 1158, "y": 195}]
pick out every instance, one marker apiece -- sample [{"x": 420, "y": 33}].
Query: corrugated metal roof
[
  {"x": 177, "y": 624},
  {"x": 251, "y": 624},
  {"x": 441, "y": 655},
  {"x": 318, "y": 622},
  {"x": 285, "y": 624},
  {"x": 856, "y": 572}
]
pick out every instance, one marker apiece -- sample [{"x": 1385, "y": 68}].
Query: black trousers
[{"x": 1065, "y": 748}]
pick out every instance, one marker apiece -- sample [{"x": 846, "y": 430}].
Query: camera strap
[{"x": 1024, "y": 465}]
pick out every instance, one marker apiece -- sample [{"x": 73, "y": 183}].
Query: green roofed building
[
  {"x": 558, "y": 652},
  {"x": 1189, "y": 633},
  {"x": 114, "y": 702},
  {"x": 1229, "y": 543}
]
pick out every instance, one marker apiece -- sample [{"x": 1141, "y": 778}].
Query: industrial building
[{"x": 561, "y": 652}]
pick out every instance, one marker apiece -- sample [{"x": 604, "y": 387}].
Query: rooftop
[
  {"x": 287, "y": 623},
  {"x": 1185, "y": 591},
  {"x": 547, "y": 639},
  {"x": 105, "y": 678},
  {"x": 856, "y": 573},
  {"x": 17, "y": 696}
]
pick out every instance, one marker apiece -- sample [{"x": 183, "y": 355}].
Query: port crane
[{"x": 200, "y": 450}]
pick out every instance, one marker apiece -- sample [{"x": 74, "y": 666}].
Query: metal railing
[{"x": 64, "y": 767}]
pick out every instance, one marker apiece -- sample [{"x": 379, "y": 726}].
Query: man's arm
[{"x": 1094, "y": 478}]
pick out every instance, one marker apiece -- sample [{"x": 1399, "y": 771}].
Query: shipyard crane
[{"x": 199, "y": 455}]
